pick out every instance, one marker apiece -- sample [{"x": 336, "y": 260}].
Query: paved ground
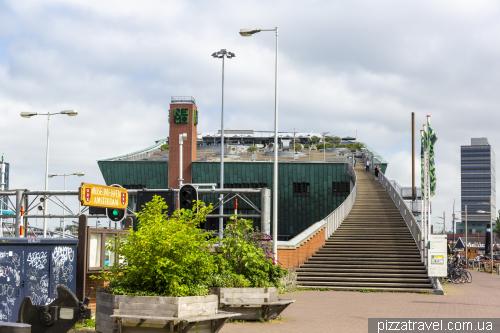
[{"x": 339, "y": 311}]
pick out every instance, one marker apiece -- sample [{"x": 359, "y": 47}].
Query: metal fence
[
  {"x": 336, "y": 217},
  {"x": 406, "y": 212}
]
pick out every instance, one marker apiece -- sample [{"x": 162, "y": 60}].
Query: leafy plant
[
  {"x": 288, "y": 282},
  {"x": 164, "y": 147},
  {"x": 306, "y": 146},
  {"x": 165, "y": 256},
  {"x": 315, "y": 139},
  {"x": 252, "y": 149},
  {"x": 297, "y": 147},
  {"x": 320, "y": 146},
  {"x": 242, "y": 254}
]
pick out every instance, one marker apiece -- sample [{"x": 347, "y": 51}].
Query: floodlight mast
[
  {"x": 70, "y": 113},
  {"x": 223, "y": 53}
]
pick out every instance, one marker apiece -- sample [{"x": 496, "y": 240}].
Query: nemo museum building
[{"x": 312, "y": 184}]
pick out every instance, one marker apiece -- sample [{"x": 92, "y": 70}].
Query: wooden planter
[
  {"x": 251, "y": 303},
  {"x": 141, "y": 306}
]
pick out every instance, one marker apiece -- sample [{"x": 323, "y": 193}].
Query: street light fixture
[
  {"x": 247, "y": 33},
  {"x": 70, "y": 113},
  {"x": 51, "y": 175},
  {"x": 223, "y": 53}
]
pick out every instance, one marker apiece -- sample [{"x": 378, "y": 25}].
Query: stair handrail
[
  {"x": 406, "y": 212},
  {"x": 335, "y": 218}
]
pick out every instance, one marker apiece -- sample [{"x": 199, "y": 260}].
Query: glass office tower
[{"x": 478, "y": 185}]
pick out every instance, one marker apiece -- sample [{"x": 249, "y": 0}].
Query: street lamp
[
  {"x": 51, "y": 175},
  {"x": 221, "y": 55},
  {"x": 324, "y": 145},
  {"x": 248, "y": 33},
  {"x": 70, "y": 113}
]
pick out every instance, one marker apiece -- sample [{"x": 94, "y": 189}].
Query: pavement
[{"x": 340, "y": 311}]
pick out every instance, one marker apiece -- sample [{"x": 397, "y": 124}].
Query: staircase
[{"x": 371, "y": 249}]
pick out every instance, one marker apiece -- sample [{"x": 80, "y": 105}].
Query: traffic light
[
  {"x": 144, "y": 197},
  {"x": 187, "y": 196},
  {"x": 115, "y": 215}
]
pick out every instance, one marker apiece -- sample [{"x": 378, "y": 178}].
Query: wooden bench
[
  {"x": 185, "y": 323},
  {"x": 270, "y": 310}
]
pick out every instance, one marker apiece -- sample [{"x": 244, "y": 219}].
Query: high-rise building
[{"x": 478, "y": 185}]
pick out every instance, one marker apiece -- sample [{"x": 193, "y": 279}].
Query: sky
[{"x": 344, "y": 66}]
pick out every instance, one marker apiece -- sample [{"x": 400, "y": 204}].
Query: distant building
[
  {"x": 251, "y": 137},
  {"x": 478, "y": 185}
]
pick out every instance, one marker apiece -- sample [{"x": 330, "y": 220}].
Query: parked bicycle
[{"x": 457, "y": 273}]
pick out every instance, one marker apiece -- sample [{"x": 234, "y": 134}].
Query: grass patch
[{"x": 87, "y": 323}]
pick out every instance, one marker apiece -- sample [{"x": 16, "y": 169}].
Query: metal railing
[
  {"x": 336, "y": 217},
  {"x": 405, "y": 211}
]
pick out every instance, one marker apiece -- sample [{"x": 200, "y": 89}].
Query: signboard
[
  {"x": 103, "y": 196},
  {"x": 437, "y": 256},
  {"x": 181, "y": 116}
]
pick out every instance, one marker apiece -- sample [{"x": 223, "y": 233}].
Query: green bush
[
  {"x": 252, "y": 149},
  {"x": 164, "y": 147},
  {"x": 320, "y": 146},
  {"x": 165, "y": 256},
  {"x": 242, "y": 254},
  {"x": 306, "y": 146},
  {"x": 297, "y": 147}
]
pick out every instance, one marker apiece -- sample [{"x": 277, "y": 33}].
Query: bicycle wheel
[{"x": 469, "y": 277}]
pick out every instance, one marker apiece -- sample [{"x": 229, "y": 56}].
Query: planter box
[
  {"x": 250, "y": 302},
  {"x": 108, "y": 304}
]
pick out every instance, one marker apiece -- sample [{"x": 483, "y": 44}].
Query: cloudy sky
[{"x": 344, "y": 66}]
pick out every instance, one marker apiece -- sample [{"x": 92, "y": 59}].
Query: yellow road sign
[{"x": 103, "y": 196}]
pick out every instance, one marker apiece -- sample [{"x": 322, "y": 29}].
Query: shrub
[
  {"x": 242, "y": 254},
  {"x": 164, "y": 147},
  {"x": 297, "y": 147},
  {"x": 288, "y": 282},
  {"x": 165, "y": 256},
  {"x": 252, "y": 149},
  {"x": 320, "y": 146},
  {"x": 306, "y": 146}
]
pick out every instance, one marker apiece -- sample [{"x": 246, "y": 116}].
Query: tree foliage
[
  {"x": 297, "y": 147},
  {"x": 252, "y": 149},
  {"x": 164, "y": 147},
  {"x": 315, "y": 139}
]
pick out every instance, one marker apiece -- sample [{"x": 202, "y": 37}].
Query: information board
[{"x": 437, "y": 256}]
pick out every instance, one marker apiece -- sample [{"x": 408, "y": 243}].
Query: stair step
[
  {"x": 400, "y": 290},
  {"x": 362, "y": 279},
  {"x": 364, "y": 284},
  {"x": 304, "y": 275}
]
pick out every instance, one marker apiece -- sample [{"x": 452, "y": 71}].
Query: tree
[
  {"x": 336, "y": 140},
  {"x": 297, "y": 147},
  {"x": 359, "y": 145},
  {"x": 252, "y": 149},
  {"x": 164, "y": 147},
  {"x": 315, "y": 139}
]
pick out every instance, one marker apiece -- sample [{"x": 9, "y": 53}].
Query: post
[
  {"x": 180, "y": 160},
  {"x": 26, "y": 203},
  {"x": 64, "y": 209},
  {"x": 46, "y": 180},
  {"x": 466, "y": 231},
  {"x": 2, "y": 187},
  {"x": 275, "y": 176},
  {"x": 81, "y": 260},
  {"x": 413, "y": 192},
  {"x": 444, "y": 223},
  {"x": 19, "y": 203},
  {"x": 491, "y": 236},
  {"x": 265, "y": 220},
  {"x": 221, "y": 197}
]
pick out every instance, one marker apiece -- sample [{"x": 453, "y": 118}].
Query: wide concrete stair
[{"x": 371, "y": 249}]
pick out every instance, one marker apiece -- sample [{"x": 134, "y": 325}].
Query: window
[
  {"x": 341, "y": 188},
  {"x": 300, "y": 188}
]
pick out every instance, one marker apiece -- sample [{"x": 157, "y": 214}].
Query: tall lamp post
[
  {"x": 70, "y": 113},
  {"x": 51, "y": 175},
  {"x": 221, "y": 55},
  {"x": 248, "y": 33},
  {"x": 324, "y": 145},
  {"x": 491, "y": 233}
]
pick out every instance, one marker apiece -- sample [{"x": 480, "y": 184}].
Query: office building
[{"x": 478, "y": 185}]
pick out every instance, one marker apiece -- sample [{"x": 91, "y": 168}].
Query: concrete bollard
[{"x": 14, "y": 328}]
